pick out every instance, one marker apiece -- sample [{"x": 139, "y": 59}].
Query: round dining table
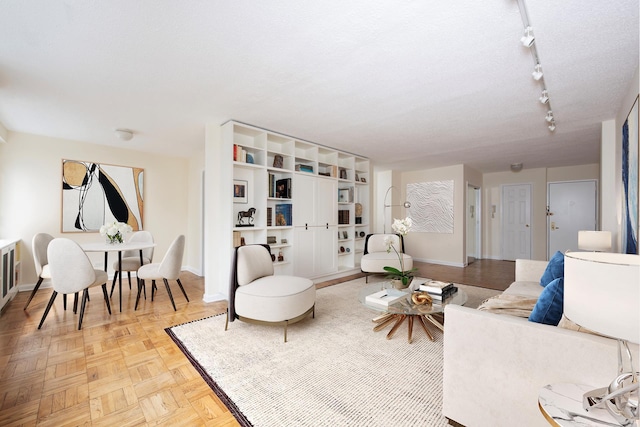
[{"x": 116, "y": 247}]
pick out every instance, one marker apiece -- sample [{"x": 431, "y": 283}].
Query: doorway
[
  {"x": 516, "y": 222},
  {"x": 571, "y": 206},
  {"x": 474, "y": 242}
]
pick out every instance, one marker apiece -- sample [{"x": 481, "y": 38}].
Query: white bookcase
[
  {"x": 9, "y": 267},
  {"x": 319, "y": 193}
]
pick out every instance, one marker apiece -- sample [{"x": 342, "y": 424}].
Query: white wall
[{"x": 30, "y": 194}]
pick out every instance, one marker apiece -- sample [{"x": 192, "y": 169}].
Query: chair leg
[
  {"x": 182, "y": 289},
  {"x": 64, "y": 301},
  {"x": 129, "y": 275},
  {"x": 166, "y": 284},
  {"x": 33, "y": 292},
  {"x": 113, "y": 284},
  {"x": 85, "y": 295},
  {"x": 106, "y": 297},
  {"x": 153, "y": 289},
  {"x": 46, "y": 310},
  {"x": 75, "y": 302},
  {"x": 140, "y": 285}
]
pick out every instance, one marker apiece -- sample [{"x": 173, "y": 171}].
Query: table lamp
[
  {"x": 602, "y": 293},
  {"x": 598, "y": 241}
]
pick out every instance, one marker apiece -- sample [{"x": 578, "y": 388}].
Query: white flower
[
  {"x": 402, "y": 226},
  {"x": 115, "y": 228}
]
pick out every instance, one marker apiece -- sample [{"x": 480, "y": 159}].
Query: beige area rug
[{"x": 333, "y": 371}]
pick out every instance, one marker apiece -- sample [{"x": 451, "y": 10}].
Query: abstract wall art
[
  {"x": 630, "y": 182},
  {"x": 94, "y": 194},
  {"x": 431, "y": 206}
]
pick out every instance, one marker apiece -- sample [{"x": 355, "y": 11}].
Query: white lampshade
[
  {"x": 594, "y": 240},
  {"x": 602, "y": 293}
]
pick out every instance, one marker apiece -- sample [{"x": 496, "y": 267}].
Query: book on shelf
[
  {"x": 283, "y": 214},
  {"x": 269, "y": 216},
  {"x": 283, "y": 188},
  {"x": 343, "y": 216},
  {"x": 239, "y": 153},
  {"x": 435, "y": 287},
  {"x": 386, "y": 297},
  {"x": 304, "y": 168}
]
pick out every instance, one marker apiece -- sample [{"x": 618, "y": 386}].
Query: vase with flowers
[
  {"x": 115, "y": 232},
  {"x": 401, "y": 278}
]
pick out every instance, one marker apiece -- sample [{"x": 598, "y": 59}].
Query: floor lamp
[
  {"x": 601, "y": 293},
  {"x": 384, "y": 209}
]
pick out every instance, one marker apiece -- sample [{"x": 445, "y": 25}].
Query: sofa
[
  {"x": 496, "y": 364},
  {"x": 376, "y": 256}
]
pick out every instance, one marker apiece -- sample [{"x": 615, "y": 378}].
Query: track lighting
[
  {"x": 549, "y": 117},
  {"x": 552, "y": 126},
  {"x": 537, "y": 72},
  {"x": 545, "y": 97},
  {"x": 528, "y": 38}
]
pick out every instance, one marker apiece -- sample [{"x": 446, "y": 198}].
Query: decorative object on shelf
[
  {"x": 248, "y": 215},
  {"x": 363, "y": 180},
  {"x": 283, "y": 241},
  {"x": 280, "y": 256},
  {"x": 249, "y": 158},
  {"x": 607, "y": 284},
  {"x": 385, "y": 206},
  {"x": 358, "y": 209},
  {"x": 343, "y": 173},
  {"x": 345, "y": 235},
  {"x": 343, "y": 195},
  {"x": 115, "y": 232},
  {"x": 348, "y": 250},
  {"x": 271, "y": 240},
  {"x": 341, "y": 248},
  {"x": 421, "y": 298},
  {"x": 240, "y": 191},
  {"x": 278, "y": 161},
  {"x": 400, "y": 278},
  {"x": 362, "y": 234},
  {"x": 357, "y": 177}
]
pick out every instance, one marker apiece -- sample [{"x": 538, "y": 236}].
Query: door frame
[{"x": 478, "y": 219}]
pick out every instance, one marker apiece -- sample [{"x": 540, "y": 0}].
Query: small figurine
[{"x": 280, "y": 257}]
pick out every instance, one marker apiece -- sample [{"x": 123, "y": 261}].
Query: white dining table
[{"x": 118, "y": 247}]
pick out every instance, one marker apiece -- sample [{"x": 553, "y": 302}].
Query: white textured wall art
[{"x": 431, "y": 206}]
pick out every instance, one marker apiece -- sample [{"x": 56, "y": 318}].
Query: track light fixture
[
  {"x": 552, "y": 126},
  {"x": 549, "y": 117},
  {"x": 528, "y": 38},
  {"x": 537, "y": 72},
  {"x": 544, "y": 99}
]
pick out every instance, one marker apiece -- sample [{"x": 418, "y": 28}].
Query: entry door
[
  {"x": 572, "y": 206},
  {"x": 516, "y": 222}
]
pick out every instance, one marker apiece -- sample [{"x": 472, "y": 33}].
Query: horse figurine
[{"x": 246, "y": 214}]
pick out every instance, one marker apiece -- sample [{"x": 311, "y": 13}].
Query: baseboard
[
  {"x": 214, "y": 297},
  {"x": 440, "y": 262}
]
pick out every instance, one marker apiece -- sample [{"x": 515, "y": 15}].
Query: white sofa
[
  {"x": 376, "y": 257},
  {"x": 496, "y": 364}
]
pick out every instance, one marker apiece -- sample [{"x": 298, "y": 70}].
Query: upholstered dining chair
[
  {"x": 131, "y": 259},
  {"x": 39, "y": 245},
  {"x": 168, "y": 269},
  {"x": 72, "y": 272},
  {"x": 256, "y": 295}
]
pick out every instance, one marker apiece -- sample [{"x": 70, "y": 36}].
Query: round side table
[{"x": 561, "y": 405}]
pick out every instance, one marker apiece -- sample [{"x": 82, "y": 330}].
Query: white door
[
  {"x": 571, "y": 206},
  {"x": 516, "y": 222},
  {"x": 473, "y": 224}
]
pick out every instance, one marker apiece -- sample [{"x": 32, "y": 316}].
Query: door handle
[
  {"x": 527, "y": 225},
  {"x": 553, "y": 226}
]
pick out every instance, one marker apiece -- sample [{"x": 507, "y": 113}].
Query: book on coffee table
[
  {"x": 386, "y": 297},
  {"x": 436, "y": 287}
]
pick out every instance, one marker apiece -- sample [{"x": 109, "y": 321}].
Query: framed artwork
[
  {"x": 630, "y": 182},
  {"x": 343, "y": 195},
  {"x": 94, "y": 194},
  {"x": 240, "y": 191},
  {"x": 431, "y": 206}
]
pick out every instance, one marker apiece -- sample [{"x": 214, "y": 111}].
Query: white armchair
[
  {"x": 376, "y": 257},
  {"x": 256, "y": 295}
]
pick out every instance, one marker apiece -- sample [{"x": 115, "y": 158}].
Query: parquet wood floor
[{"x": 120, "y": 369}]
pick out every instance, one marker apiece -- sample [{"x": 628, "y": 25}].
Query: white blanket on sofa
[{"x": 515, "y": 305}]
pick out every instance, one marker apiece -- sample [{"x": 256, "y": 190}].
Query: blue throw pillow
[
  {"x": 548, "y": 309},
  {"x": 554, "y": 269}
]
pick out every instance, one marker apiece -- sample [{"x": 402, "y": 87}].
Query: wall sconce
[{"x": 385, "y": 206}]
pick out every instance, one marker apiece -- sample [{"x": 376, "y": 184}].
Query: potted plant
[{"x": 400, "y": 277}]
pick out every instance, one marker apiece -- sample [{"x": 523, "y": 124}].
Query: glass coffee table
[{"x": 404, "y": 309}]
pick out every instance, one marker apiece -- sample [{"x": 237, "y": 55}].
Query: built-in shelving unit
[
  {"x": 306, "y": 197},
  {"x": 9, "y": 267}
]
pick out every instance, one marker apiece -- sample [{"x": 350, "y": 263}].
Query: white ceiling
[{"x": 411, "y": 84}]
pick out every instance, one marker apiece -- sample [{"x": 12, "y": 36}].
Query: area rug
[{"x": 333, "y": 371}]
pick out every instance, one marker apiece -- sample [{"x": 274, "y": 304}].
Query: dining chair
[
  {"x": 72, "y": 272},
  {"x": 131, "y": 259},
  {"x": 39, "y": 245},
  {"x": 168, "y": 269}
]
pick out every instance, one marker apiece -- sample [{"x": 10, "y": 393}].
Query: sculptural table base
[{"x": 389, "y": 318}]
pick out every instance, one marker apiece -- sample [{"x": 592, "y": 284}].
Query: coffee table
[{"x": 405, "y": 309}]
